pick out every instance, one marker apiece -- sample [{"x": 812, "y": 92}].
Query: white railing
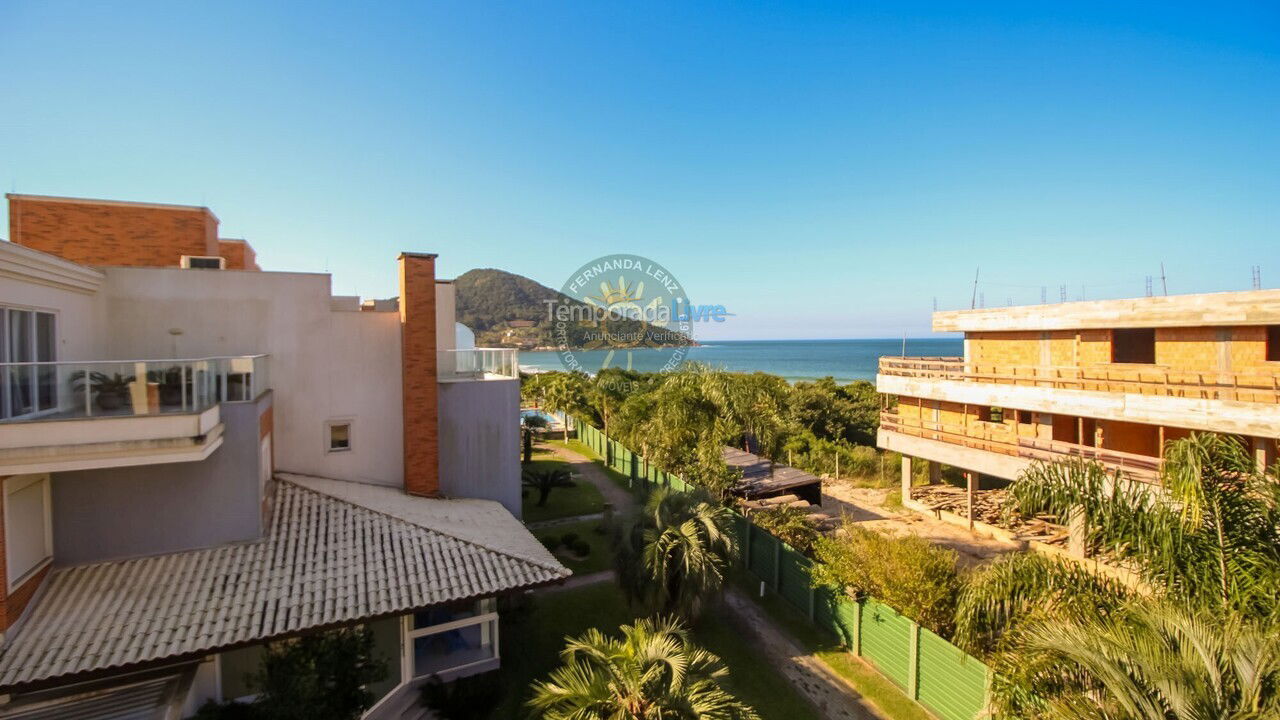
[
  {"x": 35, "y": 391},
  {"x": 477, "y": 363}
]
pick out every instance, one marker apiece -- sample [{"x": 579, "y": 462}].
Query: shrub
[
  {"x": 569, "y": 538},
  {"x": 322, "y": 676},
  {"x": 789, "y": 524},
  {"x": 910, "y": 574},
  {"x": 230, "y": 710},
  {"x": 466, "y": 697},
  {"x": 550, "y": 542},
  {"x": 580, "y": 547}
]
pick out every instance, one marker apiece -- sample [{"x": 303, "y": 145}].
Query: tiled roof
[{"x": 337, "y": 552}]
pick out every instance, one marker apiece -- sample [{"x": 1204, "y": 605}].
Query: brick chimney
[{"x": 418, "y": 374}]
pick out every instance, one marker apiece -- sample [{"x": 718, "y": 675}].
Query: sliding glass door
[{"x": 27, "y": 336}]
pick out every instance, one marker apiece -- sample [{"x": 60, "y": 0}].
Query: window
[
  {"x": 451, "y": 640},
  {"x": 27, "y": 336},
  {"x": 338, "y": 435},
  {"x": 1133, "y": 345},
  {"x": 1273, "y": 343},
  {"x": 28, "y": 528},
  {"x": 991, "y": 414}
]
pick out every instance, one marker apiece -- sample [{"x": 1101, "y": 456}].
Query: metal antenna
[
  {"x": 974, "y": 300},
  {"x": 1257, "y": 277},
  {"x": 1062, "y": 292},
  {"x": 1044, "y": 294},
  {"x": 1164, "y": 286},
  {"x": 1148, "y": 286},
  {"x": 935, "y": 303}
]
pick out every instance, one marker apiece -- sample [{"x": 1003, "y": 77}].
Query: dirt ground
[{"x": 864, "y": 506}]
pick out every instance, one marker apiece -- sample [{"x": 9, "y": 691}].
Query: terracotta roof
[{"x": 337, "y": 552}]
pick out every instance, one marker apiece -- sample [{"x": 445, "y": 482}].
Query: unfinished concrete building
[{"x": 1107, "y": 380}]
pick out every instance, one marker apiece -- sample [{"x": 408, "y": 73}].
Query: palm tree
[
  {"x": 673, "y": 555},
  {"x": 1211, "y": 536},
  {"x": 1156, "y": 661},
  {"x": 544, "y": 481},
  {"x": 565, "y": 393},
  {"x": 1206, "y": 547},
  {"x": 652, "y": 672}
]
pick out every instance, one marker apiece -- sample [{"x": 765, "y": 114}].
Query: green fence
[{"x": 932, "y": 671}]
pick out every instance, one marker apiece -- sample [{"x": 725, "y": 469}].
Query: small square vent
[{"x": 204, "y": 262}]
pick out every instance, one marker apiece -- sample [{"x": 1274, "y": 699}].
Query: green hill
[{"x": 509, "y": 310}]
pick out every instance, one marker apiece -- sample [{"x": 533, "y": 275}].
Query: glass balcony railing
[
  {"x": 477, "y": 363},
  {"x": 35, "y": 391}
]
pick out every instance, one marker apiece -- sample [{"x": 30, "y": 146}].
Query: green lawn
[
  {"x": 582, "y": 499},
  {"x": 585, "y": 450},
  {"x": 532, "y": 640},
  {"x": 869, "y": 683},
  {"x": 601, "y": 557}
]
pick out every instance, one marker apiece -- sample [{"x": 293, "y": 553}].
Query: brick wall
[
  {"x": 239, "y": 255},
  {"x": 418, "y": 368},
  {"x": 109, "y": 233},
  {"x": 1196, "y": 349}
]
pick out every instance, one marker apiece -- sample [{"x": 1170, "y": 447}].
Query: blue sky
[{"x": 824, "y": 170}]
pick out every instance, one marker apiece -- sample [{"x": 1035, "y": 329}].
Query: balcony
[
  {"x": 82, "y": 414},
  {"x": 477, "y": 364},
  {"x": 1247, "y": 403},
  {"x": 1016, "y": 452},
  {"x": 1114, "y": 378}
]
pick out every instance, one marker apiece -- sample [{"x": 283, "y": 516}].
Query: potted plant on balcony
[
  {"x": 170, "y": 382},
  {"x": 112, "y": 390}
]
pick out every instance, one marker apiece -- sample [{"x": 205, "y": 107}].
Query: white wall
[
  {"x": 79, "y": 322},
  {"x": 324, "y": 364}
]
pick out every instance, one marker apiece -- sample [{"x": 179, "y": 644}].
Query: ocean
[{"x": 844, "y": 360}]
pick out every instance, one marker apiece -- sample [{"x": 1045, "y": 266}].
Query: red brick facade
[
  {"x": 239, "y": 255},
  {"x": 110, "y": 233},
  {"x": 418, "y": 358}
]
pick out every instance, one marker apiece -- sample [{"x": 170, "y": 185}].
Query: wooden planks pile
[{"x": 988, "y": 508}]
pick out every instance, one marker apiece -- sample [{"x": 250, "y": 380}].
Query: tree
[
  {"x": 1206, "y": 547},
  {"x": 910, "y": 574},
  {"x": 673, "y": 554},
  {"x": 544, "y": 481},
  {"x": 1212, "y": 537},
  {"x": 836, "y": 412},
  {"x": 609, "y": 390},
  {"x": 1155, "y": 660},
  {"x": 321, "y": 676},
  {"x": 654, "y": 672},
  {"x": 565, "y": 393}
]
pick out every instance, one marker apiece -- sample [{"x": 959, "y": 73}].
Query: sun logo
[{"x": 625, "y": 301}]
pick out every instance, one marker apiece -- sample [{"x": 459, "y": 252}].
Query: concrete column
[
  {"x": 971, "y": 485},
  {"x": 906, "y": 478},
  {"x": 1261, "y": 455},
  {"x": 1076, "y": 534}
]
